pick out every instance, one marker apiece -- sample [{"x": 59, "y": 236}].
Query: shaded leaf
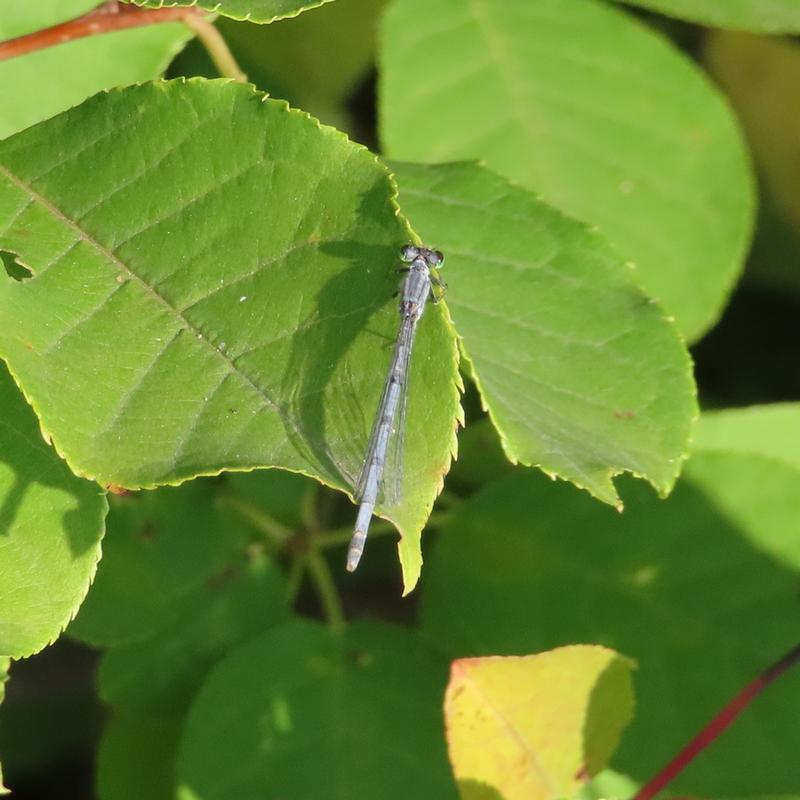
[
  {"x": 581, "y": 373},
  {"x": 44, "y": 83},
  {"x": 282, "y": 496},
  {"x": 51, "y": 524},
  {"x": 300, "y": 689},
  {"x": 769, "y": 430},
  {"x": 4, "y": 665},
  {"x": 137, "y": 758},
  {"x": 480, "y": 456},
  {"x": 701, "y": 589},
  {"x": 162, "y": 549},
  {"x": 535, "y": 726},
  {"x": 761, "y": 75},
  {"x": 588, "y": 107},
  {"x": 767, "y": 16},
  {"x": 314, "y": 61},
  {"x": 161, "y": 674},
  {"x": 213, "y": 280},
  {"x": 262, "y": 11}
]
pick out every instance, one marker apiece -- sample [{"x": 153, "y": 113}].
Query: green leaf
[
  {"x": 581, "y": 373},
  {"x": 701, "y": 589},
  {"x": 765, "y": 16},
  {"x": 314, "y": 61},
  {"x": 145, "y": 582},
  {"x": 273, "y": 499},
  {"x": 4, "y": 665},
  {"x": 771, "y": 430},
  {"x": 85, "y": 66},
  {"x": 300, "y": 708},
  {"x": 480, "y": 456},
  {"x": 609, "y": 785},
  {"x": 761, "y": 75},
  {"x": 137, "y": 758},
  {"x": 588, "y": 107},
  {"x": 160, "y": 675},
  {"x": 51, "y": 524},
  {"x": 213, "y": 281},
  {"x": 262, "y": 11},
  {"x": 535, "y": 727}
]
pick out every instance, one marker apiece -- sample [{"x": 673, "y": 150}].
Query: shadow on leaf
[{"x": 477, "y": 790}]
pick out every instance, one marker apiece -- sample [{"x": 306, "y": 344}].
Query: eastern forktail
[{"x": 418, "y": 286}]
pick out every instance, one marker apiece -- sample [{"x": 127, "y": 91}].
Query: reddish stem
[
  {"x": 109, "y": 16},
  {"x": 718, "y": 725}
]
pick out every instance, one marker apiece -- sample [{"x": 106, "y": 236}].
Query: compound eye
[
  {"x": 435, "y": 258},
  {"x": 408, "y": 253}
]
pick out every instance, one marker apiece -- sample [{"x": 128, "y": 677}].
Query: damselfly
[{"x": 421, "y": 282}]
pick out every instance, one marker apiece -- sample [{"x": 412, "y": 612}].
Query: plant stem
[
  {"x": 343, "y": 535},
  {"x": 326, "y": 588},
  {"x": 274, "y": 532},
  {"x": 217, "y": 48},
  {"x": 295, "y": 579},
  {"x": 113, "y": 16},
  {"x": 326, "y": 539},
  {"x": 105, "y": 18},
  {"x": 718, "y": 725}
]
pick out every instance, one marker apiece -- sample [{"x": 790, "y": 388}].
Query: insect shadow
[{"x": 323, "y": 384}]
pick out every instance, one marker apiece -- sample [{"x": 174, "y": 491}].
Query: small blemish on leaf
[
  {"x": 147, "y": 533},
  {"x": 223, "y": 576},
  {"x": 361, "y": 658}
]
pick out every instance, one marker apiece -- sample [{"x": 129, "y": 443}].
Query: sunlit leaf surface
[
  {"x": 212, "y": 289},
  {"x": 586, "y": 106}
]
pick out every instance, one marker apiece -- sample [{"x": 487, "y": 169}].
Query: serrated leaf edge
[{"x": 218, "y": 9}]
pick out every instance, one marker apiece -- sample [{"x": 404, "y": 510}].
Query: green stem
[
  {"x": 274, "y": 532},
  {"x": 217, "y": 48},
  {"x": 341, "y": 536},
  {"x": 295, "y": 578},
  {"x": 326, "y": 588}
]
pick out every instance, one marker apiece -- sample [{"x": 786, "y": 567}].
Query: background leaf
[
  {"x": 161, "y": 674},
  {"x": 535, "y": 726},
  {"x": 701, "y": 589},
  {"x": 760, "y": 75},
  {"x": 137, "y": 758},
  {"x": 298, "y": 690},
  {"x": 315, "y": 61},
  {"x": 262, "y": 11},
  {"x": 51, "y": 524},
  {"x": 579, "y": 370},
  {"x": 588, "y": 107},
  {"x": 257, "y": 338},
  {"x": 146, "y": 581},
  {"x": 4, "y": 664},
  {"x": 771, "y": 430},
  {"x": 767, "y": 16},
  {"x": 31, "y": 91}
]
